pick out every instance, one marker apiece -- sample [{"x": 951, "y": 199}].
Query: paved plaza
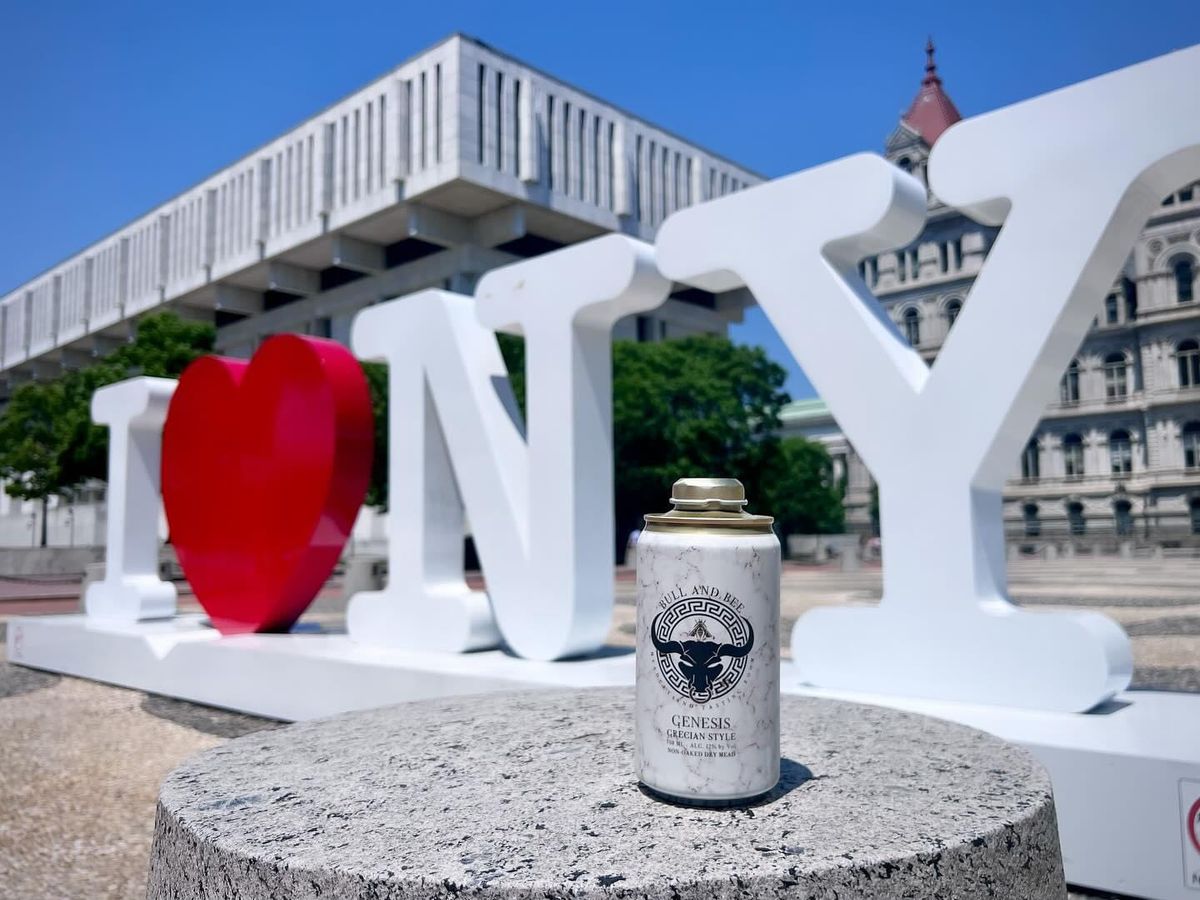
[
  {"x": 83, "y": 761},
  {"x": 1157, "y": 602}
]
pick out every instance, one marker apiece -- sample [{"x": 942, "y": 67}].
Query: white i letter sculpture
[
  {"x": 134, "y": 411},
  {"x": 1072, "y": 176}
]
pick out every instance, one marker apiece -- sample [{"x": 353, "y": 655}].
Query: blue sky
[{"x": 111, "y": 108}]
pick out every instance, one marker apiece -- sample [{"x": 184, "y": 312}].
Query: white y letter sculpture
[
  {"x": 455, "y": 437},
  {"x": 1073, "y": 176}
]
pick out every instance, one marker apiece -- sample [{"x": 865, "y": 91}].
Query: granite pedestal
[{"x": 531, "y": 795}]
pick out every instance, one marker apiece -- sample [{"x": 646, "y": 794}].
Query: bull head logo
[{"x": 701, "y": 662}]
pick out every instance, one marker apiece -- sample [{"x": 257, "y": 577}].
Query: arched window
[
  {"x": 1191, "y": 445},
  {"x": 1069, "y": 389},
  {"x": 905, "y": 163},
  {"x": 1187, "y": 355},
  {"x": 1076, "y": 523},
  {"x": 1072, "y": 445},
  {"x": 912, "y": 325},
  {"x": 1123, "y": 517},
  {"x": 1116, "y": 376},
  {"x": 953, "y": 308},
  {"x": 1185, "y": 278},
  {"x": 1033, "y": 525},
  {"x": 1120, "y": 452},
  {"x": 1031, "y": 461}
]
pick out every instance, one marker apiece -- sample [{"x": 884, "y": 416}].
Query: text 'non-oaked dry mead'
[{"x": 708, "y": 648}]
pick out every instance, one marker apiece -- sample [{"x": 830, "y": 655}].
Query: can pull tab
[{"x": 703, "y": 494}]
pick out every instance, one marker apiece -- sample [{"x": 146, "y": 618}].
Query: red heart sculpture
[{"x": 265, "y": 465}]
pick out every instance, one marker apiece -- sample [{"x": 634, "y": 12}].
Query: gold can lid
[{"x": 709, "y": 503}]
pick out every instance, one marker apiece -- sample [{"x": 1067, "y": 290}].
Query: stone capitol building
[{"x": 1116, "y": 458}]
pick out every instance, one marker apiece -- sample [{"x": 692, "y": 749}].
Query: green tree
[
  {"x": 800, "y": 489},
  {"x": 48, "y": 442},
  {"x": 701, "y": 406},
  {"x": 32, "y": 439},
  {"x": 693, "y": 407},
  {"x": 377, "y": 382}
]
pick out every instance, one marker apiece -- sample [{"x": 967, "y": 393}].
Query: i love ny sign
[{"x": 1072, "y": 177}]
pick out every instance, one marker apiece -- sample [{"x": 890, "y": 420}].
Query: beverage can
[{"x": 708, "y": 648}]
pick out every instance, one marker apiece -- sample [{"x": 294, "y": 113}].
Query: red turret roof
[{"x": 932, "y": 111}]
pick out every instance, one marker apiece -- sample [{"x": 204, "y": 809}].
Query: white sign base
[
  {"x": 1120, "y": 774},
  {"x": 284, "y": 676}
]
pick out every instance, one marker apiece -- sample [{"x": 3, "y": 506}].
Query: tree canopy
[
  {"x": 699, "y": 406},
  {"x": 48, "y": 442},
  {"x": 705, "y": 406}
]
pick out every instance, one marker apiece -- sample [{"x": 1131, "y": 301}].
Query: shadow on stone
[
  {"x": 1165, "y": 678},
  {"x": 791, "y": 776},
  {"x": 16, "y": 680},
  {"x": 1169, "y": 625},
  {"x": 208, "y": 719}
]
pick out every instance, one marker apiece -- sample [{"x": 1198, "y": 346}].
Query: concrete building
[
  {"x": 1116, "y": 458},
  {"x": 457, "y": 161}
]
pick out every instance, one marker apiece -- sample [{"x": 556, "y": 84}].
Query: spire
[
  {"x": 931, "y": 75},
  {"x": 932, "y": 111}
]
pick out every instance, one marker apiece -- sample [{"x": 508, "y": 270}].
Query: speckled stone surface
[{"x": 532, "y": 795}]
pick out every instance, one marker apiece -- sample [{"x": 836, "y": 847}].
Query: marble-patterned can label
[{"x": 708, "y": 658}]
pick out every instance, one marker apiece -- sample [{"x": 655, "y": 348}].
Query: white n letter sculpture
[
  {"x": 541, "y": 512},
  {"x": 1073, "y": 176}
]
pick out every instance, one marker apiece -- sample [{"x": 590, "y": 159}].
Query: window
[
  {"x": 1123, "y": 517},
  {"x": 550, "y": 154},
  {"x": 901, "y": 266},
  {"x": 1185, "y": 196},
  {"x": 1069, "y": 389},
  {"x": 638, "y": 203},
  {"x": 1116, "y": 380},
  {"x": 1031, "y": 461},
  {"x": 1112, "y": 310},
  {"x": 1120, "y": 452},
  {"x": 1073, "y": 456},
  {"x": 1129, "y": 290},
  {"x": 499, "y": 121},
  {"x": 1187, "y": 355},
  {"x": 1194, "y": 508},
  {"x": 905, "y": 163},
  {"x": 481, "y": 96},
  {"x": 912, "y": 325},
  {"x": 516, "y": 126},
  {"x": 1076, "y": 523},
  {"x": 1033, "y": 525},
  {"x": 1185, "y": 279},
  {"x": 953, "y": 308},
  {"x": 645, "y": 326},
  {"x": 1191, "y": 445}
]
